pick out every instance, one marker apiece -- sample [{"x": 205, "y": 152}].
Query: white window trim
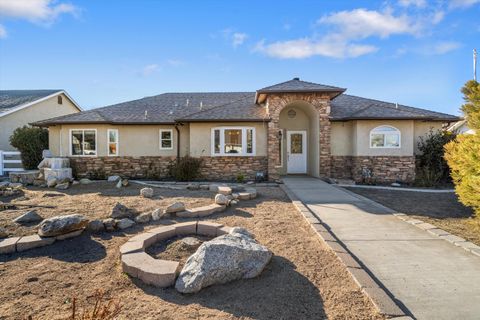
[
  {"x": 244, "y": 142},
  {"x": 160, "y": 138},
  {"x": 372, "y": 132},
  {"x": 70, "y": 142},
  {"x": 108, "y": 142}
]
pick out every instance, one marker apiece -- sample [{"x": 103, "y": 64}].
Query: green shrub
[
  {"x": 240, "y": 178},
  {"x": 185, "y": 168},
  {"x": 432, "y": 168},
  {"x": 30, "y": 141},
  {"x": 463, "y": 154}
]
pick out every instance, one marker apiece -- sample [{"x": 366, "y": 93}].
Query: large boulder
[
  {"x": 175, "y": 207},
  {"x": 119, "y": 211},
  {"x": 221, "y": 199},
  {"x": 61, "y": 225},
  {"x": 226, "y": 258},
  {"x": 146, "y": 192},
  {"x": 28, "y": 217},
  {"x": 125, "y": 223}
]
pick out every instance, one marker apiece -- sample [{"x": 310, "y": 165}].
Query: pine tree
[{"x": 463, "y": 154}]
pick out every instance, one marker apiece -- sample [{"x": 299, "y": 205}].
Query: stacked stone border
[
  {"x": 360, "y": 274},
  {"x": 430, "y": 228},
  {"x": 162, "y": 273}
]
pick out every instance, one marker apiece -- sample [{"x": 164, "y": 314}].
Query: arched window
[{"x": 385, "y": 137}]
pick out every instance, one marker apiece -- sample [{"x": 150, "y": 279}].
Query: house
[
  {"x": 294, "y": 127},
  {"x": 461, "y": 127},
  {"x": 21, "y": 107}
]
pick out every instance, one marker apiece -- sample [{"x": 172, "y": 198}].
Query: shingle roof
[
  {"x": 169, "y": 108},
  {"x": 297, "y": 85},
  {"x": 10, "y": 99},
  {"x": 347, "y": 107}
]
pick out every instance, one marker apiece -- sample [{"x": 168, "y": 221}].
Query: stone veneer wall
[
  {"x": 276, "y": 103},
  {"x": 213, "y": 168},
  {"x": 126, "y": 167},
  {"x": 385, "y": 169},
  {"x": 227, "y": 168}
]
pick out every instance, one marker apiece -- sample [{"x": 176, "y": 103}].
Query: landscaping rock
[
  {"x": 75, "y": 182},
  {"x": 33, "y": 241},
  {"x": 158, "y": 214},
  {"x": 119, "y": 184},
  {"x": 96, "y": 226},
  {"x": 62, "y": 186},
  {"x": 235, "y": 196},
  {"x": 233, "y": 202},
  {"x": 119, "y": 211},
  {"x": 15, "y": 185},
  {"x": 125, "y": 182},
  {"x": 125, "y": 223},
  {"x": 226, "y": 258},
  {"x": 224, "y": 190},
  {"x": 176, "y": 207},
  {"x": 69, "y": 235},
  {"x": 62, "y": 224},
  {"x": 114, "y": 178},
  {"x": 221, "y": 199},
  {"x": 109, "y": 224},
  {"x": 204, "y": 186},
  {"x": 213, "y": 187},
  {"x": 85, "y": 181},
  {"x": 146, "y": 192},
  {"x": 396, "y": 184},
  {"x": 144, "y": 217},
  {"x": 3, "y": 233},
  {"x": 193, "y": 186},
  {"x": 28, "y": 217},
  {"x": 190, "y": 242},
  {"x": 51, "y": 182}
]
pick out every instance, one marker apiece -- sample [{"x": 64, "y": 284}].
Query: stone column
[
  {"x": 273, "y": 147},
  {"x": 324, "y": 139}
]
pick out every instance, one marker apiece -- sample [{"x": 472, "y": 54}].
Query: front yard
[
  {"x": 440, "y": 209},
  {"x": 304, "y": 280}
]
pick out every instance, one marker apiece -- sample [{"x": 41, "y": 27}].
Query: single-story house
[
  {"x": 21, "y": 107},
  {"x": 294, "y": 127},
  {"x": 461, "y": 127}
]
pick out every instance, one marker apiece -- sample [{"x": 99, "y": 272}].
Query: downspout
[{"x": 178, "y": 140}]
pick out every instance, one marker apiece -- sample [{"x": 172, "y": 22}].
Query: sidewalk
[{"x": 432, "y": 278}]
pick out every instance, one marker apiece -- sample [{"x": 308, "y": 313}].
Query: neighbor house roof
[
  {"x": 169, "y": 108},
  {"x": 14, "y": 100}
]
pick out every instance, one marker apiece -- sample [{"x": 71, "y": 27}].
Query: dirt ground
[
  {"x": 304, "y": 280},
  {"x": 440, "y": 209}
]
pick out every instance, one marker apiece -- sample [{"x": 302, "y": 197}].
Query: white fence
[{"x": 11, "y": 159}]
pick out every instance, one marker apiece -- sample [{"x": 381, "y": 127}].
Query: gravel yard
[{"x": 304, "y": 280}]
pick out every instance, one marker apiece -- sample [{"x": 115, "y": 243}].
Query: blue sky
[{"x": 414, "y": 52}]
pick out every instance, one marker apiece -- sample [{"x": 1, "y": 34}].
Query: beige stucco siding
[
  {"x": 421, "y": 129},
  {"x": 40, "y": 111},
  {"x": 201, "y": 133},
  {"x": 342, "y": 138},
  {"x": 133, "y": 140}
]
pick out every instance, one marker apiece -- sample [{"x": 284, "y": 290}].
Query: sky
[{"x": 412, "y": 52}]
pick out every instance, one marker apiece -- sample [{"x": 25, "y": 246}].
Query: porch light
[{"x": 280, "y": 134}]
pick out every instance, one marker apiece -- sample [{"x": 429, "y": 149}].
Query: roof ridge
[{"x": 212, "y": 108}]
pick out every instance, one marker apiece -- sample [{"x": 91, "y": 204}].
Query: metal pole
[{"x": 475, "y": 64}]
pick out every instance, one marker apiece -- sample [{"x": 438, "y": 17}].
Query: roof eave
[
  {"x": 337, "y": 92},
  {"x": 48, "y": 124},
  {"x": 397, "y": 118},
  {"x": 223, "y": 120}
]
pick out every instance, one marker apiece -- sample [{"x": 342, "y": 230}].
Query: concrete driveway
[{"x": 432, "y": 278}]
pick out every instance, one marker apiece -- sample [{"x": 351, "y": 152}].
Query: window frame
[
  {"x": 116, "y": 142},
  {"x": 83, "y": 135},
  {"x": 244, "y": 142},
  {"x": 160, "y": 139},
  {"x": 385, "y": 133}
]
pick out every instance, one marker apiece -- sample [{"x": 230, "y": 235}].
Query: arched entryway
[{"x": 299, "y": 129}]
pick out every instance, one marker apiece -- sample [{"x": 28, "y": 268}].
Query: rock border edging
[{"x": 376, "y": 293}]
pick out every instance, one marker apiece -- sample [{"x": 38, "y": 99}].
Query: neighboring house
[
  {"x": 461, "y": 127},
  {"x": 295, "y": 127},
  {"x": 21, "y": 107}
]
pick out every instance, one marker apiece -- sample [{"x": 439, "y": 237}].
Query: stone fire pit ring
[{"x": 161, "y": 273}]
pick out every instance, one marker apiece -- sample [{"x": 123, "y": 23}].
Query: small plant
[
  {"x": 30, "y": 141},
  {"x": 367, "y": 176},
  {"x": 240, "y": 178},
  {"x": 185, "y": 168},
  {"x": 99, "y": 309}
]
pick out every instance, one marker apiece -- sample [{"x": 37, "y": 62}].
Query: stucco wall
[
  {"x": 201, "y": 133},
  {"x": 342, "y": 138},
  {"x": 40, "y": 111},
  {"x": 134, "y": 140}
]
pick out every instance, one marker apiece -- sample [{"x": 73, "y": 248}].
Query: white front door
[{"x": 296, "y": 152}]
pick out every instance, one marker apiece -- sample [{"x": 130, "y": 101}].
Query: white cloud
[
  {"x": 305, "y": 48},
  {"x": 463, "y": 3},
  {"x": 445, "y": 47},
  {"x": 149, "y": 69},
  {"x": 238, "y": 38},
  {"x": 37, "y": 11},
  {"x": 3, "y": 32},
  {"x": 416, "y": 3},
  {"x": 363, "y": 23},
  {"x": 175, "y": 62}
]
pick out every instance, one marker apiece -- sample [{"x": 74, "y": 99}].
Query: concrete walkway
[{"x": 432, "y": 278}]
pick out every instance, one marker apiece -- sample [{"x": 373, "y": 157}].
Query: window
[
  {"x": 83, "y": 142},
  {"x": 166, "y": 139},
  {"x": 59, "y": 100},
  {"x": 385, "y": 137},
  {"x": 112, "y": 136},
  {"x": 233, "y": 141}
]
